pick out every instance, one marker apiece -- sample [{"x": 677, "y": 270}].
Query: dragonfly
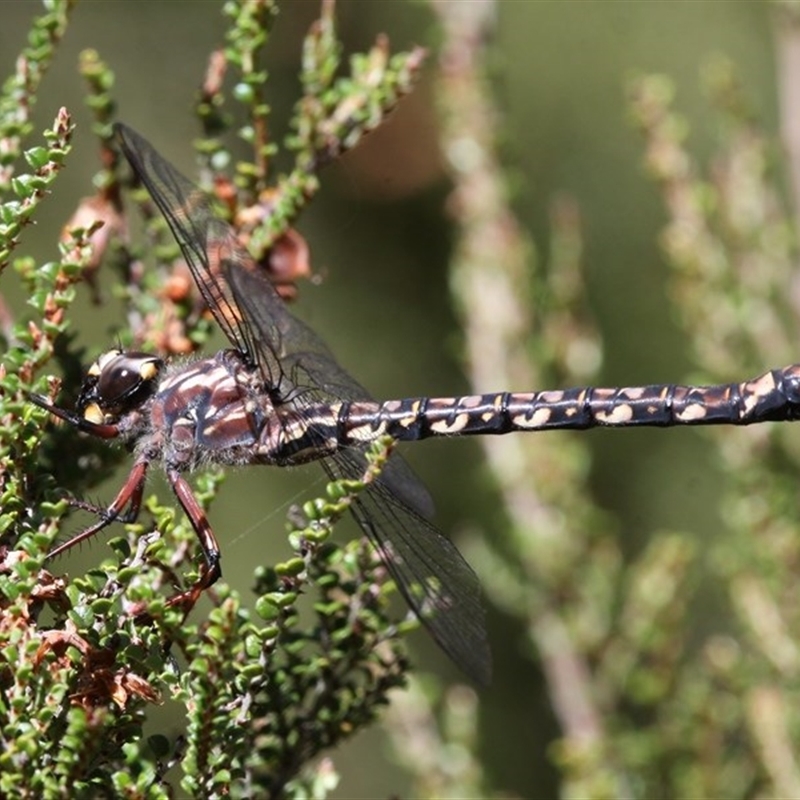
[{"x": 277, "y": 396}]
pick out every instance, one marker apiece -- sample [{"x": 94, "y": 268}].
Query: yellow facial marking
[
  {"x": 94, "y": 414},
  {"x": 148, "y": 370},
  {"x": 103, "y": 361}
]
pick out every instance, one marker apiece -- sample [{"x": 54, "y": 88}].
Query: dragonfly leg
[
  {"x": 210, "y": 571},
  {"x": 130, "y": 496},
  {"x": 101, "y": 511}
]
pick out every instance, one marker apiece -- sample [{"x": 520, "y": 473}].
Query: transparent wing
[{"x": 433, "y": 577}]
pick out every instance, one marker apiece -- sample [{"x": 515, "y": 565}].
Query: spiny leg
[
  {"x": 129, "y": 495},
  {"x": 131, "y": 515}
]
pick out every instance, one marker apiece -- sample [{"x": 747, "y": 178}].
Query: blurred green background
[{"x": 380, "y": 240}]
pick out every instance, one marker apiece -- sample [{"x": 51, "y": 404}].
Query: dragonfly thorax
[{"x": 116, "y": 384}]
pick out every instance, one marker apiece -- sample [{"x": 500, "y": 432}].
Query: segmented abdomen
[{"x": 774, "y": 395}]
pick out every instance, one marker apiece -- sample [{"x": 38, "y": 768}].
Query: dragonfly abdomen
[{"x": 775, "y": 395}]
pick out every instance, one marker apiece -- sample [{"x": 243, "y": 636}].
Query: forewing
[{"x": 205, "y": 240}]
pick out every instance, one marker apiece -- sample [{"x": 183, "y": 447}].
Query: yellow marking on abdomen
[{"x": 456, "y": 426}]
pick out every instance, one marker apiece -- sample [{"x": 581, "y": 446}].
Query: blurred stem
[
  {"x": 766, "y": 711},
  {"x": 490, "y": 281},
  {"x": 787, "y": 55}
]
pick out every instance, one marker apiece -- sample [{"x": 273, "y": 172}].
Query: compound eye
[
  {"x": 119, "y": 379},
  {"x": 117, "y": 383}
]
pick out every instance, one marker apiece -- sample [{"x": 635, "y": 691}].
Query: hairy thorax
[{"x": 209, "y": 411}]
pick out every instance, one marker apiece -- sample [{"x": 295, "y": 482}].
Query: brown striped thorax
[{"x": 277, "y": 396}]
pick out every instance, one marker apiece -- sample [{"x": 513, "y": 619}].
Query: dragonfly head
[{"x": 117, "y": 383}]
